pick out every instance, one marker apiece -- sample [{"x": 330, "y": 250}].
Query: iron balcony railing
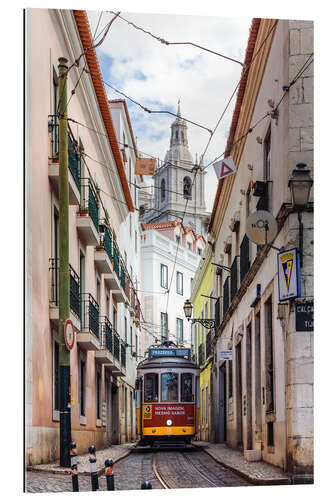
[
  {"x": 74, "y": 161},
  {"x": 116, "y": 345},
  {"x": 201, "y": 354},
  {"x": 89, "y": 201},
  {"x": 217, "y": 313},
  {"x": 226, "y": 295},
  {"x": 122, "y": 276},
  {"x": 123, "y": 354},
  {"x": 115, "y": 258},
  {"x": 244, "y": 257},
  {"x": 208, "y": 344},
  {"x": 107, "y": 242},
  {"x": 234, "y": 278},
  {"x": 89, "y": 314},
  {"x": 107, "y": 335},
  {"x": 74, "y": 286}
]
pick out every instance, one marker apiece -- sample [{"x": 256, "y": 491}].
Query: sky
[{"x": 157, "y": 75}]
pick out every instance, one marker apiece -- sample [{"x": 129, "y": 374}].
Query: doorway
[
  {"x": 248, "y": 406},
  {"x": 222, "y": 405},
  {"x": 239, "y": 394},
  {"x": 108, "y": 410},
  {"x": 257, "y": 379}
]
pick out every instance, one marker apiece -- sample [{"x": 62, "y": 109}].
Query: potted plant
[{"x": 83, "y": 210}]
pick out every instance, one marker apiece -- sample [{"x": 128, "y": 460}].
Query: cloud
[{"x": 157, "y": 75}]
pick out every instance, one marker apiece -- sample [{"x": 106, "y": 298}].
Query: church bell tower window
[
  {"x": 187, "y": 188},
  {"x": 163, "y": 190}
]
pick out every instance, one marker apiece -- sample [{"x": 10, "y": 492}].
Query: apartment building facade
[
  {"x": 263, "y": 396},
  {"x": 100, "y": 200}
]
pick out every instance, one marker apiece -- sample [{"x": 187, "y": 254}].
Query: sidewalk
[
  {"x": 116, "y": 452},
  {"x": 259, "y": 473}
]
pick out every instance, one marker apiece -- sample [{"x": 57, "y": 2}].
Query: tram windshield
[
  {"x": 151, "y": 387},
  {"x": 186, "y": 388},
  {"x": 169, "y": 386}
]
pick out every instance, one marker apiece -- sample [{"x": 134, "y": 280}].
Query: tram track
[{"x": 178, "y": 470}]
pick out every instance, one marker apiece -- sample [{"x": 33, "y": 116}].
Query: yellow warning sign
[{"x": 147, "y": 412}]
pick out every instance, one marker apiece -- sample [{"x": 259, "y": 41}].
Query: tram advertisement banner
[{"x": 158, "y": 414}]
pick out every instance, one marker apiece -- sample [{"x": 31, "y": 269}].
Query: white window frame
[
  {"x": 164, "y": 279},
  {"x": 180, "y": 289}
]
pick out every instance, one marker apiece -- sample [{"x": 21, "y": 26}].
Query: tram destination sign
[{"x": 160, "y": 352}]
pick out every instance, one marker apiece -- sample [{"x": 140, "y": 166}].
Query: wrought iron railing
[
  {"x": 201, "y": 354},
  {"x": 89, "y": 314},
  {"x": 74, "y": 292},
  {"x": 123, "y": 354},
  {"x": 122, "y": 276},
  {"x": 89, "y": 201},
  {"x": 74, "y": 286},
  {"x": 116, "y": 344},
  {"x": 115, "y": 258},
  {"x": 217, "y": 313},
  {"x": 208, "y": 344},
  {"x": 244, "y": 257},
  {"x": 234, "y": 278},
  {"x": 107, "y": 335},
  {"x": 226, "y": 295},
  {"x": 108, "y": 242},
  {"x": 74, "y": 161}
]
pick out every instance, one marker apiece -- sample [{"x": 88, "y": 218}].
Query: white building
[
  {"x": 167, "y": 285},
  {"x": 178, "y": 184},
  {"x": 129, "y": 245}
]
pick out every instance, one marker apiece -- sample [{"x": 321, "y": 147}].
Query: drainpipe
[{"x": 64, "y": 283}]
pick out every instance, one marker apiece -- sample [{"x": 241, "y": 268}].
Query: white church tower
[{"x": 174, "y": 188}]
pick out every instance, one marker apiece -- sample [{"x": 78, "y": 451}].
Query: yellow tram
[{"x": 167, "y": 397}]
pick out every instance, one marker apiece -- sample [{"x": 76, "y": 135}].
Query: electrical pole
[{"x": 64, "y": 277}]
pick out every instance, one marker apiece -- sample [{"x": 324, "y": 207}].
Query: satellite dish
[{"x": 261, "y": 227}]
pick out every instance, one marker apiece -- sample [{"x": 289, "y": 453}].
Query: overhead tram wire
[
  {"x": 92, "y": 46},
  {"x": 252, "y": 127},
  {"x": 165, "y": 42},
  {"x": 245, "y": 69}
]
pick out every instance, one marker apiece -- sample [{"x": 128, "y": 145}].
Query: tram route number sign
[
  {"x": 304, "y": 316},
  {"x": 147, "y": 412},
  {"x": 155, "y": 353}
]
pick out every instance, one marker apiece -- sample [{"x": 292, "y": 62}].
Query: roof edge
[{"x": 82, "y": 24}]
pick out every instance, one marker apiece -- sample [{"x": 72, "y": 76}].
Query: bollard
[
  {"x": 93, "y": 468},
  {"x": 75, "y": 478},
  {"x": 146, "y": 486},
  {"x": 109, "y": 474}
]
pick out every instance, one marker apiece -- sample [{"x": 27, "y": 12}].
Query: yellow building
[{"x": 203, "y": 307}]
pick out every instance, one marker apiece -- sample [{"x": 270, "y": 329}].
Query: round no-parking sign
[{"x": 69, "y": 334}]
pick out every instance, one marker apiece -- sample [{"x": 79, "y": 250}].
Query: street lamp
[
  {"x": 205, "y": 322},
  {"x": 300, "y": 187},
  {"x": 188, "y": 308}
]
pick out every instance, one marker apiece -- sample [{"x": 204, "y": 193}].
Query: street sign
[
  {"x": 289, "y": 274},
  {"x": 69, "y": 334},
  {"x": 225, "y": 355},
  {"x": 261, "y": 227},
  {"x": 224, "y": 167},
  {"x": 304, "y": 316}
]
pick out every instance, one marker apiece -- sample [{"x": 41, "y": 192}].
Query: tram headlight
[{"x": 169, "y": 422}]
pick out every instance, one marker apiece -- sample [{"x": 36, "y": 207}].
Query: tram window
[
  {"x": 187, "y": 390},
  {"x": 151, "y": 387},
  {"x": 169, "y": 385}
]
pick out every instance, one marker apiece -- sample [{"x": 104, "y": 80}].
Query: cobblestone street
[{"x": 192, "y": 469}]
